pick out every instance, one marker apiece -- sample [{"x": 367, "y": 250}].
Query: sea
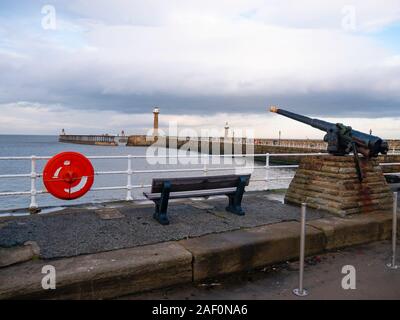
[{"x": 46, "y": 145}]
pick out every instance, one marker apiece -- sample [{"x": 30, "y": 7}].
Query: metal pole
[
  {"x": 300, "y": 291},
  {"x": 33, "y": 207},
  {"x": 129, "y": 180},
  {"x": 266, "y": 170},
  {"x": 279, "y": 143},
  {"x": 392, "y": 264}
]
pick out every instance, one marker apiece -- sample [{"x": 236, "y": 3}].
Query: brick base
[{"x": 330, "y": 183}]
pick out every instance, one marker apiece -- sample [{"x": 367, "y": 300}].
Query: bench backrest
[{"x": 199, "y": 183}]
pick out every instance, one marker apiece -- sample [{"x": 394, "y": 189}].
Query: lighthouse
[
  {"x": 156, "y": 111},
  {"x": 226, "y": 130}
]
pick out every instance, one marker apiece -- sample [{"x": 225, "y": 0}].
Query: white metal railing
[{"x": 34, "y": 175}]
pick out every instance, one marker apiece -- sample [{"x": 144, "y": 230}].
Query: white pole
[
  {"x": 300, "y": 291},
  {"x": 129, "y": 180},
  {"x": 266, "y": 170},
  {"x": 33, "y": 207},
  {"x": 392, "y": 264}
]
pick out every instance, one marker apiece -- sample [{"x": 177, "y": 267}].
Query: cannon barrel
[
  {"x": 316, "y": 123},
  {"x": 372, "y": 145}
]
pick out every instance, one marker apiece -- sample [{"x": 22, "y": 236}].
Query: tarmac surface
[
  {"x": 79, "y": 230},
  {"x": 322, "y": 278}
]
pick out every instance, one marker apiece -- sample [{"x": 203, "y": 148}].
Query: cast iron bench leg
[
  {"x": 162, "y": 205},
  {"x": 235, "y": 200}
]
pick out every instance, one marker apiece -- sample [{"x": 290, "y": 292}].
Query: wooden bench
[{"x": 163, "y": 189}]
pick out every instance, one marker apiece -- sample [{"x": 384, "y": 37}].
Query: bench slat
[
  {"x": 191, "y": 194},
  {"x": 198, "y": 183}
]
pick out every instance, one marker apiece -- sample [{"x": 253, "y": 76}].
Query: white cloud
[
  {"x": 370, "y": 14},
  {"x": 209, "y": 49},
  {"x": 201, "y": 55},
  {"x": 226, "y": 48}
]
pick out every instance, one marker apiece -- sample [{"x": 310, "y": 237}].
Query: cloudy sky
[{"x": 100, "y": 66}]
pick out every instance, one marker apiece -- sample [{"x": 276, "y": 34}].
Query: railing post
[
  {"x": 300, "y": 291},
  {"x": 205, "y": 170},
  {"x": 266, "y": 170},
  {"x": 33, "y": 207},
  {"x": 129, "y": 180},
  {"x": 392, "y": 264}
]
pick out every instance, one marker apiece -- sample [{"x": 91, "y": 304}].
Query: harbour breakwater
[
  {"x": 101, "y": 140},
  {"x": 211, "y": 145},
  {"x": 226, "y": 145}
]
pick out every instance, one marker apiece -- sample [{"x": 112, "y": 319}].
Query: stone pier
[{"x": 101, "y": 140}]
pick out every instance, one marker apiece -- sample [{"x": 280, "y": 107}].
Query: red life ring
[{"x": 68, "y": 175}]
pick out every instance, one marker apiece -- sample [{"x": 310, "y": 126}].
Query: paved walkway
[
  {"x": 76, "y": 231},
  {"x": 322, "y": 278}
]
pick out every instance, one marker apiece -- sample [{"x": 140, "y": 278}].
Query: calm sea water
[{"x": 24, "y": 145}]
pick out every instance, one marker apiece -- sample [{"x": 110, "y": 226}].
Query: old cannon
[{"x": 342, "y": 139}]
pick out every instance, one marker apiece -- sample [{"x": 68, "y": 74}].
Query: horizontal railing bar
[
  {"x": 121, "y": 187},
  {"x": 170, "y": 156},
  {"x": 23, "y": 175},
  {"x": 196, "y": 169},
  {"x": 138, "y": 156},
  {"x": 284, "y": 166},
  {"x": 167, "y": 170},
  {"x": 180, "y": 156},
  {"x": 28, "y": 175},
  {"x": 296, "y": 154},
  {"x": 110, "y": 172},
  {"x": 26, "y": 158},
  {"x": 141, "y": 186},
  {"x": 235, "y": 168},
  {"x": 15, "y": 193}
]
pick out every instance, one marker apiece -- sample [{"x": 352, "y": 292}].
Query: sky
[{"x": 93, "y": 67}]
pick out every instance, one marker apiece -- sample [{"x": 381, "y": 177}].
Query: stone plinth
[{"x": 330, "y": 183}]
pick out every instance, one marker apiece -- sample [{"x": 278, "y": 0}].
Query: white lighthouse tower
[{"x": 226, "y": 130}]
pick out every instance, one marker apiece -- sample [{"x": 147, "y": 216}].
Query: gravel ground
[{"x": 79, "y": 230}]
